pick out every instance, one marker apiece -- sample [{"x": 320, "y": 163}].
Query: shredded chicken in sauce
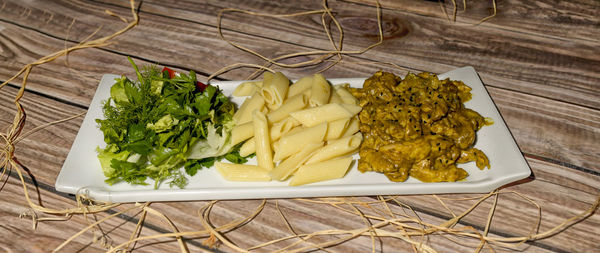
[{"x": 417, "y": 127}]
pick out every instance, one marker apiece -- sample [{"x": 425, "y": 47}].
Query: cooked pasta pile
[{"x": 305, "y": 132}]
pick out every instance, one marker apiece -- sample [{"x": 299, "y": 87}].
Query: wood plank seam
[
  {"x": 203, "y": 73},
  {"x": 123, "y": 216},
  {"x": 38, "y": 93},
  {"x": 541, "y": 96},
  {"x": 308, "y": 46},
  {"x": 156, "y": 228},
  {"x": 479, "y": 227},
  {"x": 562, "y": 39},
  {"x": 562, "y": 163}
]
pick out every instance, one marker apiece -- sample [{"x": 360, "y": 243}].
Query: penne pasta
[
  {"x": 335, "y": 98},
  {"x": 336, "y": 128},
  {"x": 267, "y": 78},
  {"x": 352, "y": 109},
  {"x": 280, "y": 128},
  {"x": 242, "y": 172},
  {"x": 353, "y": 127},
  {"x": 317, "y": 115},
  {"x": 264, "y": 154},
  {"x": 300, "y": 86},
  {"x": 242, "y": 132},
  {"x": 275, "y": 91},
  {"x": 248, "y": 147},
  {"x": 319, "y": 91},
  {"x": 336, "y": 148},
  {"x": 305, "y": 131},
  {"x": 342, "y": 91},
  {"x": 247, "y": 88},
  {"x": 276, "y": 131},
  {"x": 290, "y": 105},
  {"x": 288, "y": 166},
  {"x": 244, "y": 114},
  {"x": 327, "y": 170},
  {"x": 293, "y": 143}
]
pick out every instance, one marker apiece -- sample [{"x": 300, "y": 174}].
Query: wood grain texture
[
  {"x": 415, "y": 41},
  {"x": 572, "y": 20},
  {"x": 21, "y": 237},
  {"x": 586, "y": 92},
  {"x": 542, "y": 72},
  {"x": 565, "y": 65}
]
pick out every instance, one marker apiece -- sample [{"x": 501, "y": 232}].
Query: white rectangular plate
[{"x": 81, "y": 172}]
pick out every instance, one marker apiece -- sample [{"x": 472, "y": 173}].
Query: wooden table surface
[{"x": 539, "y": 60}]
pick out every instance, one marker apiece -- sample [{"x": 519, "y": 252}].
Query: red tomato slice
[{"x": 170, "y": 71}]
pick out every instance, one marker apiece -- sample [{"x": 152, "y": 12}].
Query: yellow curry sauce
[{"x": 418, "y": 127}]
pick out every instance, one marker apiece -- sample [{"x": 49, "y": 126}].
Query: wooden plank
[
  {"x": 575, "y": 20},
  {"x": 572, "y": 20},
  {"x": 121, "y": 65},
  {"x": 565, "y": 70},
  {"x": 306, "y": 217},
  {"x": 74, "y": 84},
  {"x": 561, "y": 193},
  {"x": 561, "y": 69},
  {"x": 21, "y": 237},
  {"x": 556, "y": 130},
  {"x": 505, "y": 219}
]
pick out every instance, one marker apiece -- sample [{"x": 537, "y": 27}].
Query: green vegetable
[{"x": 162, "y": 126}]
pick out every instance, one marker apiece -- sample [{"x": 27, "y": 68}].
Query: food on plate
[
  {"x": 417, "y": 126},
  {"x": 162, "y": 122},
  {"x": 242, "y": 172},
  {"x": 305, "y": 131},
  {"x": 321, "y": 171},
  {"x": 264, "y": 156}
]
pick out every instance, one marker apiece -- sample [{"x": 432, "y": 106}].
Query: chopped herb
[{"x": 161, "y": 123}]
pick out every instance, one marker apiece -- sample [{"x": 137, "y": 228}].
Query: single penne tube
[
  {"x": 335, "y": 98},
  {"x": 264, "y": 154},
  {"x": 275, "y": 91},
  {"x": 319, "y": 91},
  {"x": 352, "y": 109},
  {"x": 303, "y": 84},
  {"x": 267, "y": 78},
  {"x": 292, "y": 143},
  {"x": 246, "y": 88},
  {"x": 307, "y": 92},
  {"x": 248, "y": 148},
  {"x": 353, "y": 127},
  {"x": 335, "y": 148},
  {"x": 264, "y": 110},
  {"x": 288, "y": 166},
  {"x": 290, "y": 105},
  {"x": 242, "y": 172},
  {"x": 336, "y": 128},
  {"x": 342, "y": 91},
  {"x": 244, "y": 114},
  {"x": 298, "y": 128},
  {"x": 275, "y": 131},
  {"x": 316, "y": 115},
  {"x": 321, "y": 171},
  {"x": 242, "y": 132},
  {"x": 282, "y": 127}
]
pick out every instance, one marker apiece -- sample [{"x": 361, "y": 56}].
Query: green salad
[{"x": 161, "y": 123}]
